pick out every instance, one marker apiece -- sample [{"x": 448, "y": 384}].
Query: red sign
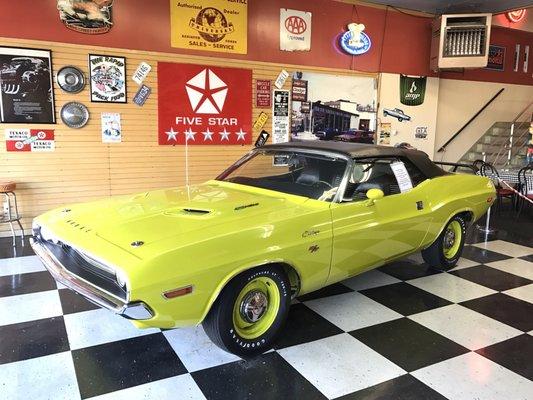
[
  {"x": 263, "y": 96},
  {"x": 30, "y": 140},
  {"x": 516, "y": 15},
  {"x": 201, "y": 104},
  {"x": 295, "y": 24}
]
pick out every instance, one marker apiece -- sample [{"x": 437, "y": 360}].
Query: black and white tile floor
[{"x": 399, "y": 332}]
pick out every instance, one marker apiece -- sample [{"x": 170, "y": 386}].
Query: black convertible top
[{"x": 360, "y": 150}]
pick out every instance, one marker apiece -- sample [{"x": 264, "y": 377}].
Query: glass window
[{"x": 299, "y": 173}]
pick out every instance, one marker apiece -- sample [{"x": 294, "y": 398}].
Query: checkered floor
[{"x": 399, "y": 332}]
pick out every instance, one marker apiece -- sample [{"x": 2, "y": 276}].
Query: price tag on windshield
[{"x": 402, "y": 176}]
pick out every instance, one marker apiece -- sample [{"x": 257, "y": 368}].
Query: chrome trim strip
[{"x": 85, "y": 289}]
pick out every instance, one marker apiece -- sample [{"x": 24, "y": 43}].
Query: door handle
[{"x": 420, "y": 205}]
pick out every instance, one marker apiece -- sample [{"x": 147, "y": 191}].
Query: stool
[{"x": 10, "y": 211}]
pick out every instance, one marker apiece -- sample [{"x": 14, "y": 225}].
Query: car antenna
[{"x": 187, "y": 167}]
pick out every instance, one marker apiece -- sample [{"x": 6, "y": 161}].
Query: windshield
[{"x": 314, "y": 176}]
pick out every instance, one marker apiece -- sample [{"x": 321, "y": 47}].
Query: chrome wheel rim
[{"x": 253, "y": 306}]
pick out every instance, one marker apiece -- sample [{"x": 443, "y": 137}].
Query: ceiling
[{"x": 457, "y": 6}]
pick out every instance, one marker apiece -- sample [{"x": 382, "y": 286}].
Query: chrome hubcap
[
  {"x": 449, "y": 239},
  {"x": 253, "y": 306}
]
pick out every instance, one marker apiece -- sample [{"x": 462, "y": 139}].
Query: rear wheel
[
  {"x": 250, "y": 311},
  {"x": 446, "y": 250}
]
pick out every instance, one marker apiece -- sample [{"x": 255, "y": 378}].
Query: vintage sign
[
  {"x": 496, "y": 59},
  {"x": 260, "y": 121},
  {"x": 299, "y": 90},
  {"x": 111, "y": 129},
  {"x": 280, "y": 80},
  {"x": 280, "y": 116},
  {"x": 412, "y": 90},
  {"x": 201, "y": 104},
  {"x": 26, "y": 90},
  {"x": 37, "y": 140},
  {"x": 384, "y": 133},
  {"x": 142, "y": 95},
  {"x": 294, "y": 30},
  {"x": 107, "y": 75},
  {"x": 87, "y": 16},
  {"x": 262, "y": 139},
  {"x": 263, "y": 93},
  {"x": 141, "y": 72},
  {"x": 354, "y": 41},
  {"x": 220, "y": 26}
]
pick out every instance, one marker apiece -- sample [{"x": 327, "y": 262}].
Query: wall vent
[{"x": 460, "y": 41}]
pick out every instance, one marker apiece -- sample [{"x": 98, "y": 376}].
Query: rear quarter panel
[{"x": 451, "y": 194}]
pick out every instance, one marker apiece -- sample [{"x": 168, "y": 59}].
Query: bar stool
[{"x": 10, "y": 211}]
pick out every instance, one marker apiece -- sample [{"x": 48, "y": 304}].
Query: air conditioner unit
[{"x": 460, "y": 41}]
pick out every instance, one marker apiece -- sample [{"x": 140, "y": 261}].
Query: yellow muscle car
[{"x": 283, "y": 221}]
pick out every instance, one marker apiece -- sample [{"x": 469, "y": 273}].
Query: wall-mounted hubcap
[{"x": 253, "y": 306}]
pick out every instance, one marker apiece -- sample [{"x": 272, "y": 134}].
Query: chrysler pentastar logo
[{"x": 206, "y": 92}]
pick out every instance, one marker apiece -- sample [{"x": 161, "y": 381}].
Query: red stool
[{"x": 10, "y": 211}]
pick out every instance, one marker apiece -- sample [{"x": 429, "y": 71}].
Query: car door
[{"x": 369, "y": 233}]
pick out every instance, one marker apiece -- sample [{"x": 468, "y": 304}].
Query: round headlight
[{"x": 122, "y": 279}]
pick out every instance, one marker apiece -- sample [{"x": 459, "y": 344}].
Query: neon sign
[
  {"x": 354, "y": 41},
  {"x": 516, "y": 15}
]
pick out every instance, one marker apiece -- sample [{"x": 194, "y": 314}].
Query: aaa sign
[{"x": 201, "y": 104}]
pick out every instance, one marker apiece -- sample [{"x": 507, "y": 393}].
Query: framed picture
[
  {"x": 107, "y": 76},
  {"x": 26, "y": 89}
]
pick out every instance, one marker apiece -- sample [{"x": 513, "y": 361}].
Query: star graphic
[
  {"x": 224, "y": 135},
  {"x": 240, "y": 134},
  {"x": 171, "y": 135},
  {"x": 189, "y": 134},
  {"x": 207, "y": 92},
  {"x": 208, "y": 135}
]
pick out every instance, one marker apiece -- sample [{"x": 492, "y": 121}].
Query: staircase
[{"x": 493, "y": 146}]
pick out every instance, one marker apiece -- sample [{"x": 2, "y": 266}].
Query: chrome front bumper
[{"x": 134, "y": 310}]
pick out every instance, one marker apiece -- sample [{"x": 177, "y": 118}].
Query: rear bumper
[{"x": 133, "y": 310}]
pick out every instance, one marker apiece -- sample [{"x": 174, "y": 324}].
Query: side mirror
[{"x": 373, "y": 195}]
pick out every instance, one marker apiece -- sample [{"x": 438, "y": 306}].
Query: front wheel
[
  {"x": 250, "y": 311},
  {"x": 446, "y": 250}
]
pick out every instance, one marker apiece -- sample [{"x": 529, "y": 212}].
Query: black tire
[
  {"x": 435, "y": 255},
  {"x": 400, "y": 119},
  {"x": 219, "y": 323}
]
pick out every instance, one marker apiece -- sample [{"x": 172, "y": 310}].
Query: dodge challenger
[{"x": 284, "y": 220}]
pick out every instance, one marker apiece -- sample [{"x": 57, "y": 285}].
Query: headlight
[{"x": 122, "y": 279}]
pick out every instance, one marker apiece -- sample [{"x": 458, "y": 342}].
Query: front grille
[{"x": 81, "y": 267}]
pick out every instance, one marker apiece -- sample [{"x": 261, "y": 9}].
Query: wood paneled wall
[{"x": 83, "y": 168}]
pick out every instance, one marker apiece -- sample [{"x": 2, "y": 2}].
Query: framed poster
[
  {"x": 496, "y": 60},
  {"x": 280, "y": 116},
  {"x": 107, "y": 75},
  {"x": 26, "y": 90}
]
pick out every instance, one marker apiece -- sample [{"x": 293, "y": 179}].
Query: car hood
[{"x": 177, "y": 212}]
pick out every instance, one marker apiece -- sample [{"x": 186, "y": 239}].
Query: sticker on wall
[
  {"x": 141, "y": 72},
  {"x": 111, "y": 129},
  {"x": 496, "y": 58},
  {"x": 421, "y": 133},
  {"x": 299, "y": 90},
  {"x": 203, "y": 105},
  {"x": 142, "y": 95},
  {"x": 384, "y": 133},
  {"x": 26, "y": 90},
  {"x": 412, "y": 90},
  {"x": 260, "y": 121},
  {"x": 354, "y": 41},
  {"x": 396, "y": 113},
  {"x": 87, "y": 16},
  {"x": 263, "y": 93},
  {"x": 280, "y": 116},
  {"x": 36, "y": 140},
  {"x": 280, "y": 80},
  {"x": 107, "y": 75},
  {"x": 294, "y": 30},
  {"x": 222, "y": 26}
]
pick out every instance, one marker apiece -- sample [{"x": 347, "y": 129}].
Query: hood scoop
[{"x": 192, "y": 212}]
